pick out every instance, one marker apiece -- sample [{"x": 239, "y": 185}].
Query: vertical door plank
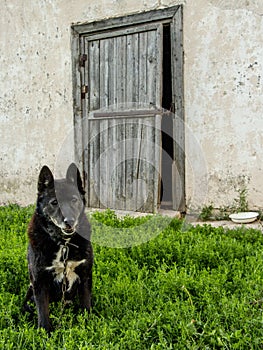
[
  {"x": 121, "y": 71},
  {"x": 129, "y": 68},
  {"x": 135, "y": 71},
  {"x": 104, "y": 74},
  {"x": 142, "y": 98},
  {"x": 94, "y": 75},
  {"x": 104, "y": 188},
  {"x": 156, "y": 157},
  {"x": 113, "y": 159},
  {"x": 93, "y": 166},
  {"x": 154, "y": 68},
  {"x": 130, "y": 151},
  {"x": 177, "y": 60}
]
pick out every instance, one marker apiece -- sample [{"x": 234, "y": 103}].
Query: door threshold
[
  {"x": 166, "y": 205},
  {"x": 170, "y": 212}
]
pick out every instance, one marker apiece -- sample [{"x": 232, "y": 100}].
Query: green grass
[{"x": 198, "y": 288}]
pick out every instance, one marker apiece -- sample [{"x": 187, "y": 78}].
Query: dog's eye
[{"x": 54, "y": 202}]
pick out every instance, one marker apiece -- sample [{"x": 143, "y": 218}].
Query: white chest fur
[{"x": 65, "y": 268}]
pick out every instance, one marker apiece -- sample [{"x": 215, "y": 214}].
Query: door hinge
[
  {"x": 82, "y": 59},
  {"x": 84, "y": 91},
  {"x": 172, "y": 107}
]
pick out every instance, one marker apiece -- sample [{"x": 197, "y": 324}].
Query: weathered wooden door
[
  {"x": 118, "y": 89},
  {"x": 123, "y": 77}
]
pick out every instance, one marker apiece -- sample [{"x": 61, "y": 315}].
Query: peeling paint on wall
[{"x": 255, "y": 6}]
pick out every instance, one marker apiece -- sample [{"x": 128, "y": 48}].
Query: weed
[
  {"x": 223, "y": 213},
  {"x": 260, "y": 216},
  {"x": 206, "y": 212},
  {"x": 241, "y": 203}
]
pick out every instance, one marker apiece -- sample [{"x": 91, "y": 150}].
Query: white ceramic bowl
[{"x": 244, "y": 218}]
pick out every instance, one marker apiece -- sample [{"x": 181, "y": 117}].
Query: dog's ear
[
  {"x": 45, "y": 179},
  {"x": 73, "y": 175}
]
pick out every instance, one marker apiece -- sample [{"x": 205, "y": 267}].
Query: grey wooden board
[
  {"x": 177, "y": 57},
  {"x": 164, "y": 15}
]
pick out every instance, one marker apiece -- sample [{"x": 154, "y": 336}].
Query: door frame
[{"x": 173, "y": 16}]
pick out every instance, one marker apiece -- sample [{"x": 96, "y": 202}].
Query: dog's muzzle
[{"x": 69, "y": 228}]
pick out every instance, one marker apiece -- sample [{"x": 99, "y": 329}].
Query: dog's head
[{"x": 61, "y": 201}]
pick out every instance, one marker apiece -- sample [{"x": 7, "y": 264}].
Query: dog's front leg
[
  {"x": 42, "y": 304},
  {"x": 29, "y": 297},
  {"x": 85, "y": 292}
]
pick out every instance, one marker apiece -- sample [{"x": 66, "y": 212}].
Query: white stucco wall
[
  {"x": 223, "y": 43},
  {"x": 224, "y": 100}
]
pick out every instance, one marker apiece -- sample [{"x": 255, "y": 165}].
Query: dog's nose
[{"x": 69, "y": 222}]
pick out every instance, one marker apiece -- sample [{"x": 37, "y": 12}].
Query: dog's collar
[
  {"x": 64, "y": 241},
  {"x": 69, "y": 235}
]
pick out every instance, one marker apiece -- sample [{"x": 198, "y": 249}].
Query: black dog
[{"x": 60, "y": 254}]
